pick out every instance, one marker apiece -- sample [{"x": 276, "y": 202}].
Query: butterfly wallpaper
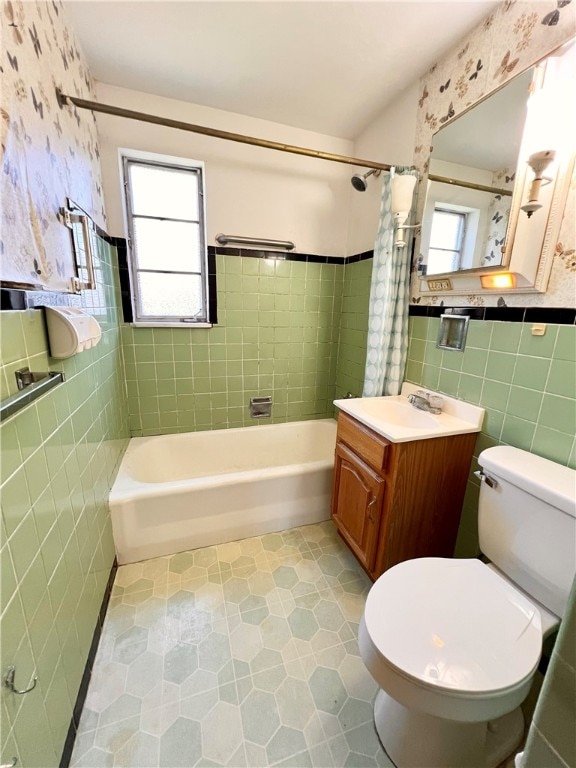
[
  {"x": 498, "y": 213},
  {"x": 47, "y": 153},
  {"x": 510, "y": 40}
]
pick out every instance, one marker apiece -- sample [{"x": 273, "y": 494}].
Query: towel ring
[{"x": 9, "y": 683}]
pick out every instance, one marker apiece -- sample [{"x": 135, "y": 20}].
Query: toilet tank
[{"x": 527, "y": 522}]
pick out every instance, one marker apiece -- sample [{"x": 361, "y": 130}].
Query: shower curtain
[{"x": 388, "y": 309}]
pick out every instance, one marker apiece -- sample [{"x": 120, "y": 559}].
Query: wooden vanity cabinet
[
  {"x": 357, "y": 505},
  {"x": 396, "y": 501}
]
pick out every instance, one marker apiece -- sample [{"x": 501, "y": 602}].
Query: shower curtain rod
[
  {"x": 108, "y": 109},
  {"x": 469, "y": 185}
]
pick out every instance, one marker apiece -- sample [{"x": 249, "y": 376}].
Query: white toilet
[{"x": 454, "y": 644}]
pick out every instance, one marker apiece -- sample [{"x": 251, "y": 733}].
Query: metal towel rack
[
  {"x": 31, "y": 385},
  {"x": 261, "y": 241}
]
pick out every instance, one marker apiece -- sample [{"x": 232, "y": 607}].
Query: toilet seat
[{"x": 451, "y": 637}]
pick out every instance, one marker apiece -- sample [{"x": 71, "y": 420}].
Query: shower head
[{"x": 359, "y": 180}]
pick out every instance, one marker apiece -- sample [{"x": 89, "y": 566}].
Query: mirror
[
  {"x": 470, "y": 183},
  {"x": 475, "y": 224}
]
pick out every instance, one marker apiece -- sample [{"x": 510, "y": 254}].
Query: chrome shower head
[{"x": 359, "y": 180}]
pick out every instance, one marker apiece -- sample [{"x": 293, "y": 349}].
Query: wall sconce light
[
  {"x": 401, "y": 205},
  {"x": 501, "y": 280},
  {"x": 538, "y": 162}
]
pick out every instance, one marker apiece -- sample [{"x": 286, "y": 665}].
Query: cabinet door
[{"x": 357, "y": 500}]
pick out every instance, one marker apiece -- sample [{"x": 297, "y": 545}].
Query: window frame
[{"x": 127, "y": 158}]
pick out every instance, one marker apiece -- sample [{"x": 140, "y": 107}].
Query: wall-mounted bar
[
  {"x": 41, "y": 383},
  {"x": 81, "y": 226},
  {"x": 259, "y": 241},
  {"x": 470, "y": 185},
  {"x": 109, "y": 109}
]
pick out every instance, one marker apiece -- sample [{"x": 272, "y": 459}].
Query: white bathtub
[{"x": 178, "y": 492}]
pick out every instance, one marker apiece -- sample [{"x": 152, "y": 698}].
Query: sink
[
  {"x": 397, "y": 412},
  {"x": 396, "y": 419}
]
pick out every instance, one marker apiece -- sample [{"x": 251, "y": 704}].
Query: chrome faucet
[{"x": 425, "y": 401}]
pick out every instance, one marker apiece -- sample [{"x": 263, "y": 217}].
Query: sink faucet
[{"x": 425, "y": 401}]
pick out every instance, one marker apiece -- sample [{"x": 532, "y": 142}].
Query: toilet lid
[{"x": 454, "y": 624}]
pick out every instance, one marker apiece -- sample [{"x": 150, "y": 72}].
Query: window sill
[{"x": 171, "y": 325}]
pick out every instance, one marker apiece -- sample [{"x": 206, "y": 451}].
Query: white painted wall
[
  {"x": 463, "y": 199},
  {"x": 461, "y": 172},
  {"x": 250, "y": 191},
  {"x": 388, "y": 139}
]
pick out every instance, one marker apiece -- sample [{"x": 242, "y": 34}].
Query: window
[
  {"x": 164, "y": 205},
  {"x": 446, "y": 240}
]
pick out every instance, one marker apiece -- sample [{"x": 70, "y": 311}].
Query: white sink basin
[
  {"x": 397, "y": 411},
  {"x": 397, "y": 420}
]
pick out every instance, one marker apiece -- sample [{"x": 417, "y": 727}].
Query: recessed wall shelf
[
  {"x": 452, "y": 332},
  {"x": 260, "y": 407}
]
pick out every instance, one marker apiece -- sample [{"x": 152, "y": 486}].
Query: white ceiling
[{"x": 329, "y": 67}]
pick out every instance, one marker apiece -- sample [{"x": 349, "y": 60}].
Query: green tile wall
[
  {"x": 552, "y": 740},
  {"x": 526, "y": 383},
  {"x": 353, "y": 328},
  {"x": 277, "y": 334},
  {"x": 58, "y": 459}
]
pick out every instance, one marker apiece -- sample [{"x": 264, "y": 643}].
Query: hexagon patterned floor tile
[{"x": 243, "y": 654}]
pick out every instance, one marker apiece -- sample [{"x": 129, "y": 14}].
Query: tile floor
[{"x": 242, "y": 654}]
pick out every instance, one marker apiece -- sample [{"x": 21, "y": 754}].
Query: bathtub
[{"x": 178, "y": 492}]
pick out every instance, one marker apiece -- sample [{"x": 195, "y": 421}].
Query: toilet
[{"x": 454, "y": 644}]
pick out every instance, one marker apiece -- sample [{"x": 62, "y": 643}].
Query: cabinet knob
[{"x": 369, "y": 508}]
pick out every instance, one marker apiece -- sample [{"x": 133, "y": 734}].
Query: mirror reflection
[{"x": 470, "y": 183}]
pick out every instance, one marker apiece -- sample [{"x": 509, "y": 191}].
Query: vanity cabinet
[
  {"x": 396, "y": 501},
  {"x": 358, "y": 504}
]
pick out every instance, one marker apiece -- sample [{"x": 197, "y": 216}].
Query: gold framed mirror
[{"x": 478, "y": 232}]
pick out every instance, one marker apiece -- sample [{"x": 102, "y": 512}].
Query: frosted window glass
[
  {"x": 446, "y": 228},
  {"x": 164, "y": 192},
  {"x": 442, "y": 261},
  {"x": 174, "y": 295},
  {"x": 170, "y": 245}
]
